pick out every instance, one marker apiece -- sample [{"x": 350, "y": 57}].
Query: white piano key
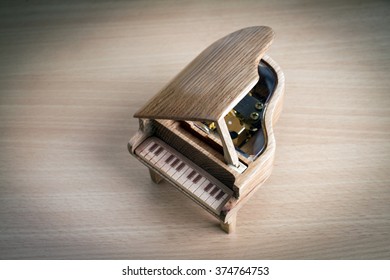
[
  {"x": 206, "y": 194},
  {"x": 210, "y": 200},
  {"x": 188, "y": 183},
  {"x": 213, "y": 193},
  {"x": 212, "y": 196},
  {"x": 218, "y": 203},
  {"x": 172, "y": 170},
  {"x": 215, "y": 206},
  {"x": 180, "y": 168},
  {"x": 170, "y": 158},
  {"x": 199, "y": 191},
  {"x": 183, "y": 177},
  {"x": 150, "y": 155},
  {"x": 160, "y": 163},
  {"x": 146, "y": 149},
  {"x": 179, "y": 173},
  {"x": 165, "y": 168},
  {"x": 195, "y": 186},
  {"x": 156, "y": 158}
]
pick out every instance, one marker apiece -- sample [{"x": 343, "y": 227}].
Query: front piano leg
[
  {"x": 156, "y": 178},
  {"x": 229, "y": 226}
]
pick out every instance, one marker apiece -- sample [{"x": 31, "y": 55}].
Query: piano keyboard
[{"x": 180, "y": 170}]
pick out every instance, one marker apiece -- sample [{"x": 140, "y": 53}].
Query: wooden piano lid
[{"x": 215, "y": 81}]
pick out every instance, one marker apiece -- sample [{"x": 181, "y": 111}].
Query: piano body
[{"x": 209, "y": 131}]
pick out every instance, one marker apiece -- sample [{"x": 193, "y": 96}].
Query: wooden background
[{"x": 73, "y": 74}]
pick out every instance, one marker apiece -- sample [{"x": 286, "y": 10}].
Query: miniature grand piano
[{"x": 209, "y": 132}]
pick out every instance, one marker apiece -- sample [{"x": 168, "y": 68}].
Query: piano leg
[
  {"x": 230, "y": 226},
  {"x": 156, "y": 178}
]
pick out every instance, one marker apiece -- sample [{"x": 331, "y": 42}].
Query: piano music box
[{"x": 209, "y": 131}]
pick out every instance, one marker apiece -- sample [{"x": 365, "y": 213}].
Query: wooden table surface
[{"x": 73, "y": 74}]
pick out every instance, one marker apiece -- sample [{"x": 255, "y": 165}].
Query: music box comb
[{"x": 209, "y": 132}]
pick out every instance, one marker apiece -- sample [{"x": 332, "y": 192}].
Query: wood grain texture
[
  {"x": 72, "y": 76},
  {"x": 215, "y": 81}
]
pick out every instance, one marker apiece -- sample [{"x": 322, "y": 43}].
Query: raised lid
[{"x": 215, "y": 81}]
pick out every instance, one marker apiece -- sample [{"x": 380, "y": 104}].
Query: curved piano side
[{"x": 259, "y": 171}]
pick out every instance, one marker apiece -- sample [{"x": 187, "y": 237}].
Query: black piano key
[
  {"x": 208, "y": 187},
  {"x": 214, "y": 190},
  {"x": 159, "y": 150},
  {"x": 181, "y": 166},
  {"x": 169, "y": 159},
  {"x": 193, "y": 172},
  {"x": 220, "y": 195},
  {"x": 154, "y": 146},
  {"x": 176, "y": 161},
  {"x": 197, "y": 178}
]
